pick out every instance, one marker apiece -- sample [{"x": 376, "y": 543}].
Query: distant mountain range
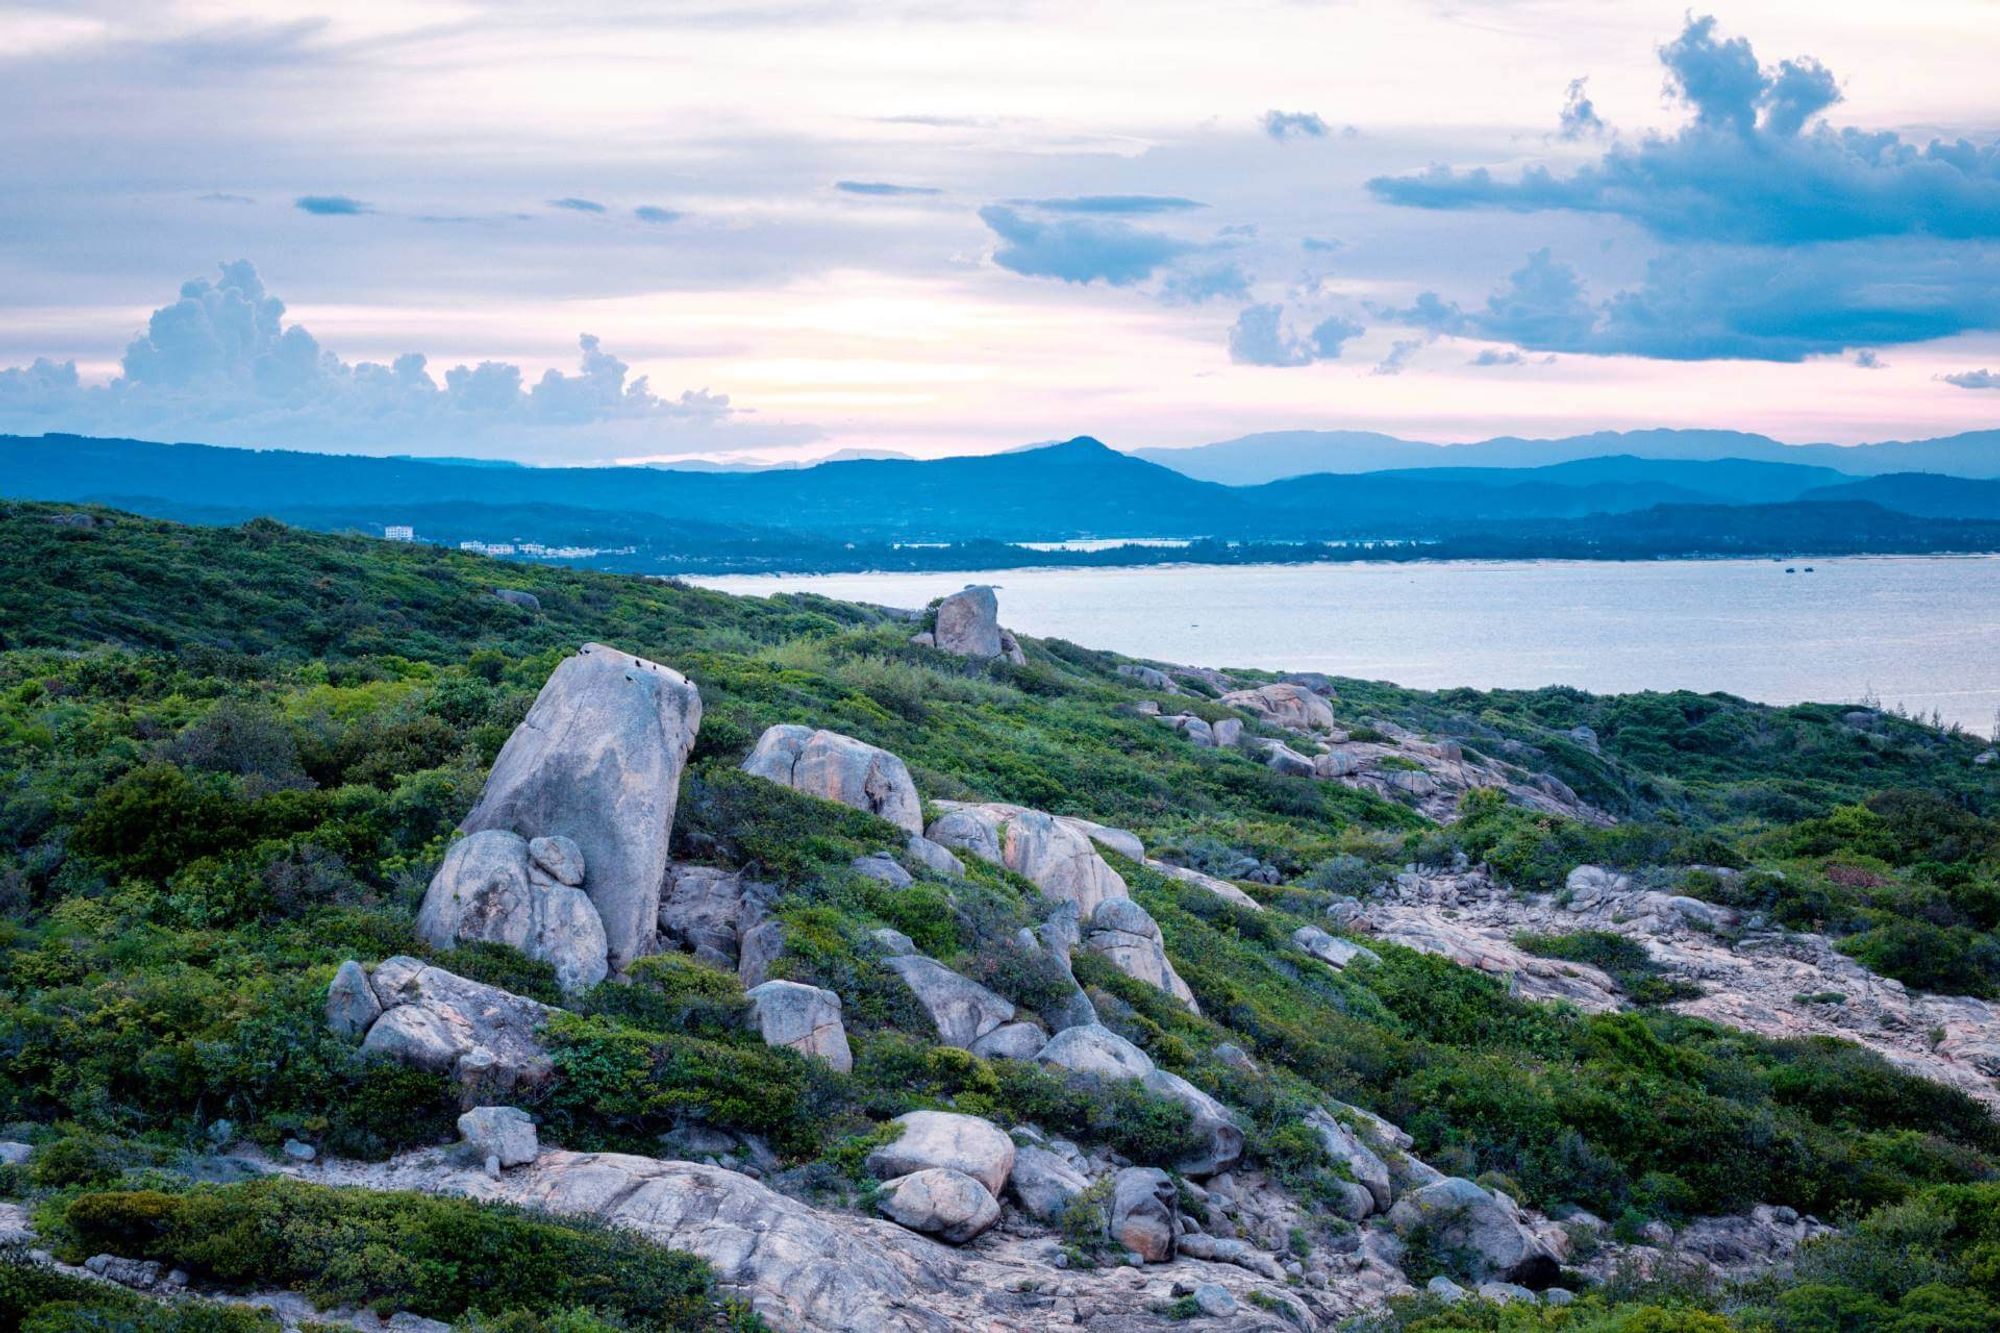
[
  {"x": 976, "y": 511},
  {"x": 1278, "y": 454}
]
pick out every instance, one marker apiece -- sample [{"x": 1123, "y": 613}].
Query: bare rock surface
[
  {"x": 1124, "y": 934},
  {"x": 1759, "y": 978},
  {"x": 491, "y": 887},
  {"x": 968, "y": 623},
  {"x": 436, "y": 1020},
  {"x": 948, "y": 1204},
  {"x": 839, "y": 768},
  {"x": 1284, "y": 705},
  {"x": 804, "y": 1018},
  {"x": 1054, "y": 854},
  {"x": 709, "y": 912},
  {"x": 1221, "y": 888},
  {"x": 598, "y": 759},
  {"x": 962, "y": 1010},
  {"x": 963, "y": 1143}
]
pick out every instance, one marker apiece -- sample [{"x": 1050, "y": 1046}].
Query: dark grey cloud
[
  {"x": 884, "y": 189},
  {"x": 1974, "y": 379},
  {"x": 1868, "y": 359},
  {"x": 1079, "y": 249},
  {"x": 576, "y": 205},
  {"x": 330, "y": 205},
  {"x": 1745, "y": 168},
  {"x": 1283, "y": 125}
]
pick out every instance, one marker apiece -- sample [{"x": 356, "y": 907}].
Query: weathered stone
[
  {"x": 351, "y": 1006},
  {"x": 1225, "y": 733},
  {"x": 1221, "y": 888},
  {"x": 948, "y": 1204},
  {"x": 485, "y": 891},
  {"x": 804, "y": 1018},
  {"x": 1197, "y": 731},
  {"x": 1335, "y": 953},
  {"x": 1010, "y": 648},
  {"x": 13, "y": 1153},
  {"x": 934, "y": 857},
  {"x": 839, "y": 768},
  {"x": 1122, "y": 841},
  {"x": 1457, "y": 1214},
  {"x": 968, "y": 623},
  {"x": 505, "y": 1132},
  {"x": 1091, "y": 1049},
  {"x": 1214, "y": 1300},
  {"x": 1125, "y": 934},
  {"x": 1011, "y": 1041},
  {"x": 436, "y": 1020},
  {"x": 527, "y": 601},
  {"x": 298, "y": 1150},
  {"x": 599, "y": 759},
  {"x": 557, "y": 857},
  {"x": 946, "y": 1139},
  {"x": 1144, "y": 1210},
  {"x": 962, "y": 1009},
  {"x": 704, "y": 911},
  {"x": 1220, "y": 1137},
  {"x": 883, "y": 869},
  {"x": 141, "y": 1274},
  {"x": 1284, "y": 705},
  {"x": 1044, "y": 1184},
  {"x": 1364, "y": 1165},
  {"x": 1057, "y": 857},
  {"x": 1445, "y": 1289},
  {"x": 758, "y": 948},
  {"x": 1339, "y": 762},
  {"x": 1151, "y": 677},
  {"x": 893, "y": 943}
]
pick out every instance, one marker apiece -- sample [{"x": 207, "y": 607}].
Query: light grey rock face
[
  {"x": 1091, "y": 1049},
  {"x": 759, "y": 947},
  {"x": 1011, "y": 1041},
  {"x": 491, "y": 888},
  {"x": 1460, "y": 1215},
  {"x": 13, "y": 1153},
  {"x": 1126, "y": 936},
  {"x": 1284, "y": 705},
  {"x": 1010, "y": 648},
  {"x": 1282, "y": 758},
  {"x": 1043, "y": 1183},
  {"x": 436, "y": 1020},
  {"x": 1221, "y": 1138},
  {"x": 1335, "y": 953},
  {"x": 947, "y": 1204},
  {"x": 1363, "y": 1163},
  {"x": 1445, "y": 1289},
  {"x": 962, "y": 1009},
  {"x": 1144, "y": 1210},
  {"x": 1221, "y": 888},
  {"x": 527, "y": 601},
  {"x": 1151, "y": 677},
  {"x": 1225, "y": 733},
  {"x": 599, "y": 759},
  {"x": 946, "y": 1139},
  {"x": 968, "y": 623},
  {"x": 1214, "y": 1300},
  {"x": 704, "y": 911},
  {"x": 351, "y": 1006},
  {"x": 893, "y": 943},
  {"x": 1193, "y": 729},
  {"x": 805, "y": 1018},
  {"x": 1053, "y": 854},
  {"x": 839, "y": 768},
  {"x": 558, "y": 858},
  {"x": 1122, "y": 841},
  {"x": 141, "y": 1274},
  {"x": 935, "y": 857},
  {"x": 883, "y": 869},
  {"x": 505, "y": 1132}
]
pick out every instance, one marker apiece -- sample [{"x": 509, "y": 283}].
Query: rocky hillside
[{"x": 828, "y": 967}]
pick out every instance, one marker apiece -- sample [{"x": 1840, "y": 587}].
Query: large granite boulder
[
  {"x": 1455, "y": 1214},
  {"x": 939, "y": 1202},
  {"x": 963, "y": 1010},
  {"x": 504, "y": 1133},
  {"x": 1054, "y": 854},
  {"x": 1347, "y": 1147},
  {"x": 934, "y": 857},
  {"x": 598, "y": 759},
  {"x": 804, "y": 1018},
  {"x": 1125, "y": 935},
  {"x": 438, "y": 1021},
  {"x": 1331, "y": 949},
  {"x": 968, "y": 623},
  {"x": 839, "y": 768},
  {"x": 1099, "y": 1052},
  {"x": 1284, "y": 705},
  {"x": 1145, "y": 1210},
  {"x": 1044, "y": 1184},
  {"x": 949, "y": 1140},
  {"x": 351, "y": 1006},
  {"x": 492, "y": 887}
]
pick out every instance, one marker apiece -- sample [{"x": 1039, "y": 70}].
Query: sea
[{"x": 1918, "y": 634}]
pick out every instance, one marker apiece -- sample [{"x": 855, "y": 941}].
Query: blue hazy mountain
[
  {"x": 1922, "y": 493},
  {"x": 1253, "y": 459}
]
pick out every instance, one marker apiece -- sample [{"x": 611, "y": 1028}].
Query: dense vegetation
[{"x": 231, "y": 758}]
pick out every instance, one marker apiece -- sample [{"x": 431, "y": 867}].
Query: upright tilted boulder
[
  {"x": 498, "y": 886},
  {"x": 968, "y": 623},
  {"x": 1125, "y": 935},
  {"x": 598, "y": 759},
  {"x": 839, "y": 768}
]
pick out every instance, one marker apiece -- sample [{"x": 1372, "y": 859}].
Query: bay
[{"x": 1917, "y": 633}]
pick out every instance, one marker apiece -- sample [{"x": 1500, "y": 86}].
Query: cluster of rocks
[
  {"x": 968, "y": 625},
  {"x": 1751, "y": 974}
]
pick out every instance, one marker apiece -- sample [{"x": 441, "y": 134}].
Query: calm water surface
[{"x": 1921, "y": 633}]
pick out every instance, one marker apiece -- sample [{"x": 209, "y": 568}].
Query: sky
[{"x": 777, "y": 229}]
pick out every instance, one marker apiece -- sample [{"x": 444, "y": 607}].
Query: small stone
[
  {"x": 300, "y": 1152},
  {"x": 1557, "y": 1296},
  {"x": 883, "y": 868},
  {"x": 504, "y": 1133},
  {"x": 1214, "y": 1300},
  {"x": 351, "y": 1005},
  {"x": 15, "y": 1154},
  {"x": 1445, "y": 1289}
]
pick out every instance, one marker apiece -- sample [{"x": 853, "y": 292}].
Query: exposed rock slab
[
  {"x": 1052, "y": 853},
  {"x": 968, "y": 623},
  {"x": 1124, "y": 934},
  {"x": 963, "y": 1143},
  {"x": 947, "y": 1204},
  {"x": 1284, "y": 705},
  {"x": 839, "y": 768},
  {"x": 962, "y": 1009},
  {"x": 438, "y": 1021},
  {"x": 803, "y": 1018},
  {"x": 492, "y": 888}
]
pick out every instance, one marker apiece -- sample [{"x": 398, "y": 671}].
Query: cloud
[
  {"x": 1974, "y": 379},
  {"x": 653, "y": 213},
  {"x": 883, "y": 189},
  {"x": 218, "y": 197},
  {"x": 1214, "y": 282},
  {"x": 1260, "y": 337},
  {"x": 576, "y": 205},
  {"x": 1079, "y": 250},
  {"x": 1493, "y": 356},
  {"x": 330, "y": 205},
  {"x": 1745, "y": 169},
  {"x": 1129, "y": 204},
  {"x": 1399, "y": 356},
  {"x": 1579, "y": 118},
  {"x": 1868, "y": 359},
  {"x": 220, "y": 364},
  {"x": 1319, "y": 245},
  {"x": 1283, "y": 125}
]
